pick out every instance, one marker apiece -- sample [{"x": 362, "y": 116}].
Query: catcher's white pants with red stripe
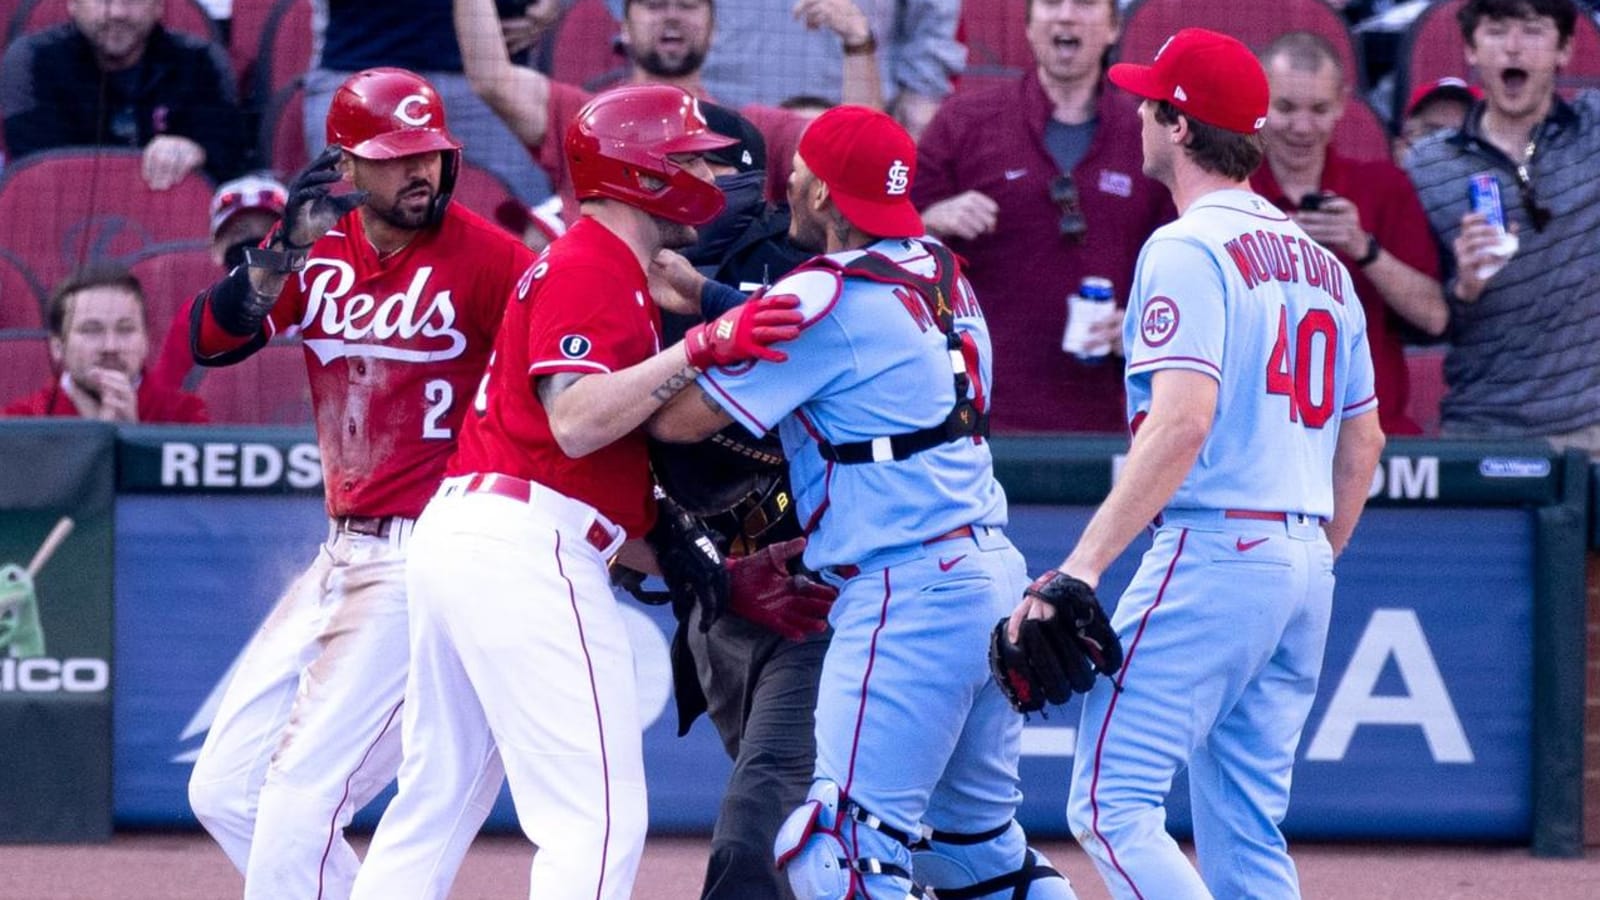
[
  {"x": 308, "y": 730},
  {"x": 520, "y": 669}
]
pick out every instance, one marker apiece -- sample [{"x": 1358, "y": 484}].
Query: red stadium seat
[
  {"x": 995, "y": 32},
  {"x": 1425, "y": 366},
  {"x": 63, "y": 208},
  {"x": 268, "y": 388},
  {"x": 483, "y": 192},
  {"x": 583, "y": 49},
  {"x": 283, "y": 132},
  {"x": 171, "y": 276},
  {"x": 247, "y": 29},
  {"x": 27, "y": 363},
  {"x": 1148, "y": 24},
  {"x": 1434, "y": 49},
  {"x": 1361, "y": 134},
  {"x": 285, "y": 52},
  {"x": 21, "y": 297},
  {"x": 182, "y": 15}
]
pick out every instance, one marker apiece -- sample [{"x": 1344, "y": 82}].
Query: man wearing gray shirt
[{"x": 1522, "y": 360}]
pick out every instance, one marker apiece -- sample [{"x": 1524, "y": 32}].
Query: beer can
[{"x": 1483, "y": 193}]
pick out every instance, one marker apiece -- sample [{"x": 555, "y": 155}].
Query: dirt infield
[{"x": 187, "y": 866}]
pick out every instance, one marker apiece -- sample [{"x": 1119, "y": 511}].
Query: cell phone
[{"x": 1313, "y": 202}]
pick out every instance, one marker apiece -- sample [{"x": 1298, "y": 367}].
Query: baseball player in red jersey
[
  {"x": 397, "y": 293},
  {"x": 520, "y": 664}
]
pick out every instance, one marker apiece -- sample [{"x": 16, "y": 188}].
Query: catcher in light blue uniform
[
  {"x": 881, "y": 408},
  {"x": 1250, "y": 391}
]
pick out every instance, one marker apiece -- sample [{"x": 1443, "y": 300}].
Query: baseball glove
[{"x": 1055, "y": 657}]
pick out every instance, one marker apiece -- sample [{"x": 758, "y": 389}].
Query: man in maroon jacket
[
  {"x": 1038, "y": 184},
  {"x": 99, "y": 340}
]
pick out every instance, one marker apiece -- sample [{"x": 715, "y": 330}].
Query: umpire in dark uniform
[{"x": 752, "y": 667}]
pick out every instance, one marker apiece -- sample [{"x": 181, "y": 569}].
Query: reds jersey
[
  {"x": 395, "y": 349},
  {"x": 870, "y": 362},
  {"x": 1235, "y": 290},
  {"x": 583, "y": 307}
]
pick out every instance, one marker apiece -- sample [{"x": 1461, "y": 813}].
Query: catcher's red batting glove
[
  {"x": 761, "y": 590},
  {"x": 745, "y": 332}
]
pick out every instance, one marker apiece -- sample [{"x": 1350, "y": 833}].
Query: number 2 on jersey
[
  {"x": 439, "y": 395},
  {"x": 1310, "y": 392}
]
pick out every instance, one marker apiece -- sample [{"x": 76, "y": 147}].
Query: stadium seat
[
  {"x": 171, "y": 275},
  {"x": 1425, "y": 368},
  {"x": 1361, "y": 133},
  {"x": 182, "y": 15},
  {"x": 583, "y": 46},
  {"x": 995, "y": 33},
  {"x": 285, "y": 51},
  {"x": 247, "y": 29},
  {"x": 1148, "y": 24},
  {"x": 268, "y": 388},
  {"x": 1434, "y": 49},
  {"x": 27, "y": 362},
  {"x": 483, "y": 192},
  {"x": 283, "y": 132},
  {"x": 63, "y": 208},
  {"x": 21, "y": 297}
]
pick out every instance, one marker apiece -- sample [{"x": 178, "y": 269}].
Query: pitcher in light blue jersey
[{"x": 1250, "y": 395}]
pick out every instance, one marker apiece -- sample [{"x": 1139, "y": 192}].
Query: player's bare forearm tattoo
[{"x": 675, "y": 384}]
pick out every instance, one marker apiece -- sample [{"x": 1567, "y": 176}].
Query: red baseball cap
[
  {"x": 1448, "y": 87},
  {"x": 244, "y": 194},
  {"x": 867, "y": 161},
  {"x": 1211, "y": 77}
]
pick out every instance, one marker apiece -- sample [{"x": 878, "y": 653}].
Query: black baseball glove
[
  {"x": 691, "y": 563},
  {"x": 1055, "y": 657}
]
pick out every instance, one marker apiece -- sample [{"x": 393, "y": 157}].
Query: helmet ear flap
[{"x": 449, "y": 171}]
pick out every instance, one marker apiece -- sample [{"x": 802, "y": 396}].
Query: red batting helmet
[
  {"x": 388, "y": 113},
  {"x": 625, "y": 135}
]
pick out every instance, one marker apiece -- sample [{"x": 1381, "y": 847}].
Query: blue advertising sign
[{"x": 1421, "y": 727}]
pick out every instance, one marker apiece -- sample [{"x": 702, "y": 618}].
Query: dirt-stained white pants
[
  {"x": 308, "y": 730},
  {"x": 520, "y": 669}
]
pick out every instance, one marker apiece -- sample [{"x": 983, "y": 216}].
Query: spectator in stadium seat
[
  {"x": 666, "y": 42},
  {"x": 420, "y": 36},
  {"x": 113, "y": 76},
  {"x": 98, "y": 342},
  {"x": 915, "y": 42},
  {"x": 1521, "y": 361},
  {"x": 1366, "y": 212},
  {"x": 1435, "y": 107},
  {"x": 1038, "y": 184},
  {"x": 242, "y": 212}
]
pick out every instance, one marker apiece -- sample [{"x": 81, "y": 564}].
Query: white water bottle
[{"x": 1093, "y": 303}]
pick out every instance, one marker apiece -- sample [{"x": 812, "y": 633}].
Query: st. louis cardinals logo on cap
[
  {"x": 899, "y": 179},
  {"x": 406, "y": 112},
  {"x": 1160, "y": 321}
]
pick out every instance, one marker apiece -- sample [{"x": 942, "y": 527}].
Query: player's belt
[
  {"x": 1264, "y": 516},
  {"x": 521, "y": 490},
  {"x": 371, "y": 526},
  {"x": 849, "y": 571}
]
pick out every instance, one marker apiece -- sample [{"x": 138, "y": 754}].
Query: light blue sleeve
[
  {"x": 1361, "y": 387},
  {"x": 1179, "y": 312},
  {"x": 758, "y": 395}
]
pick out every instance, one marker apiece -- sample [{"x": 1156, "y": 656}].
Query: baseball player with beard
[
  {"x": 520, "y": 662},
  {"x": 397, "y": 293},
  {"x": 1251, "y": 398},
  {"x": 882, "y": 409}
]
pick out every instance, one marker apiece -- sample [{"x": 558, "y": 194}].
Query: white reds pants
[
  {"x": 308, "y": 731},
  {"x": 520, "y": 669}
]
